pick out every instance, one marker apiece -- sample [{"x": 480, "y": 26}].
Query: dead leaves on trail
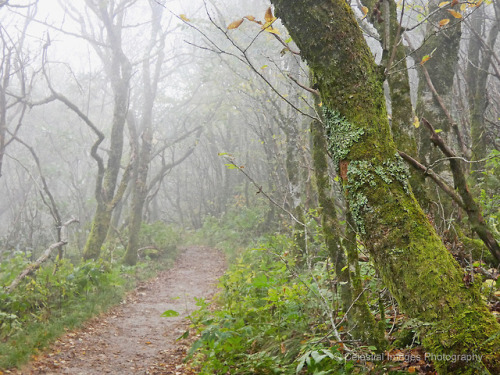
[{"x": 266, "y": 26}]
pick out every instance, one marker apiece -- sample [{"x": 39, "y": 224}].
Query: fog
[
  {"x": 72, "y": 71},
  {"x": 110, "y": 103}
]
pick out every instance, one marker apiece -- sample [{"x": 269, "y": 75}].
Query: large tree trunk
[
  {"x": 477, "y": 81},
  {"x": 150, "y": 88},
  {"x": 435, "y": 102},
  {"x": 394, "y": 62},
  {"x": 329, "y": 221},
  {"x": 119, "y": 72},
  {"x": 105, "y": 193},
  {"x": 410, "y": 257}
]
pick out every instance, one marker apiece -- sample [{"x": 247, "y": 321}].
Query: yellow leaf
[
  {"x": 425, "y": 59},
  {"x": 444, "y": 3},
  {"x": 416, "y": 122},
  {"x": 454, "y": 14},
  {"x": 272, "y": 30},
  {"x": 478, "y": 3},
  {"x": 250, "y": 18},
  {"x": 444, "y": 22},
  {"x": 235, "y": 24},
  {"x": 320, "y": 104},
  {"x": 269, "y": 28},
  {"x": 463, "y": 7},
  {"x": 269, "y": 15},
  {"x": 365, "y": 10},
  {"x": 184, "y": 18}
]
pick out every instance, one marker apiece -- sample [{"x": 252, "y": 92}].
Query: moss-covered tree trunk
[
  {"x": 394, "y": 62},
  {"x": 118, "y": 70},
  {"x": 291, "y": 127},
  {"x": 150, "y": 78},
  {"x": 329, "y": 221},
  {"x": 363, "y": 323},
  {"x": 410, "y": 257}
]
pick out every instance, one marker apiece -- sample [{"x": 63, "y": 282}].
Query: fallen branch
[{"x": 33, "y": 267}]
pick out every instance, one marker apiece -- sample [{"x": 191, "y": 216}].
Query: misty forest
[{"x": 249, "y": 187}]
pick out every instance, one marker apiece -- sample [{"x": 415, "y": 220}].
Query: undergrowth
[
  {"x": 62, "y": 295},
  {"x": 279, "y": 311},
  {"x": 270, "y": 319}
]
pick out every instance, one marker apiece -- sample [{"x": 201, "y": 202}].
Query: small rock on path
[{"x": 133, "y": 338}]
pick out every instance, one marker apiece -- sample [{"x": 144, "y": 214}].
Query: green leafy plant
[{"x": 268, "y": 317}]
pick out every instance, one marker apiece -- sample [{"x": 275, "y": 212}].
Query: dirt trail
[{"x": 133, "y": 338}]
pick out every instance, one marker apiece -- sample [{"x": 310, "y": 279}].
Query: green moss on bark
[
  {"x": 98, "y": 232},
  {"x": 364, "y": 325},
  {"x": 341, "y": 134},
  {"x": 329, "y": 222},
  {"x": 414, "y": 264}
]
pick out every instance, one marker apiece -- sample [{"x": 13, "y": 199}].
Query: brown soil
[{"x": 133, "y": 338}]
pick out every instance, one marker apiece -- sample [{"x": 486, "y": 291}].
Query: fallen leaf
[{"x": 184, "y": 18}]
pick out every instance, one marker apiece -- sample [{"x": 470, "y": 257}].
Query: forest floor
[{"x": 133, "y": 338}]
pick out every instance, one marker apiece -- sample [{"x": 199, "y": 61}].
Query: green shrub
[{"x": 269, "y": 319}]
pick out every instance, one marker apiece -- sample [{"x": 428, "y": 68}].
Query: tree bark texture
[
  {"x": 477, "y": 74},
  {"x": 435, "y": 98},
  {"x": 410, "y": 257},
  {"x": 119, "y": 71},
  {"x": 329, "y": 221},
  {"x": 150, "y": 87}
]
